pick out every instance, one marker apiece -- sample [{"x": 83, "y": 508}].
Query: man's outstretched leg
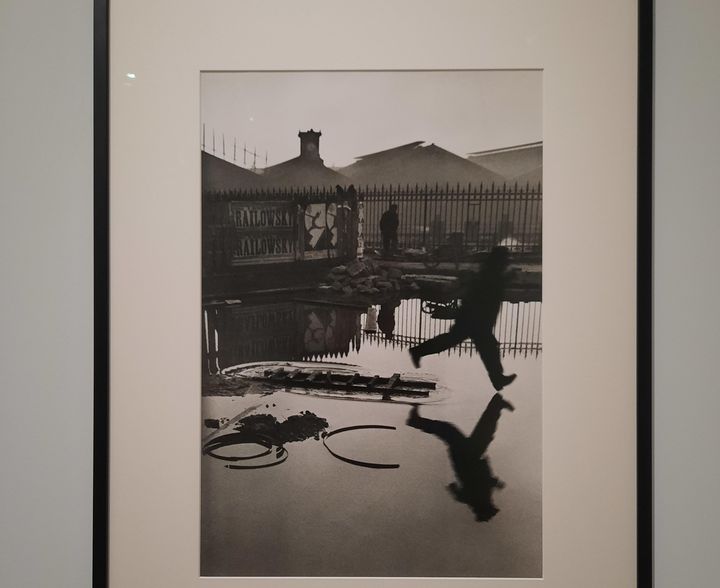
[
  {"x": 489, "y": 350},
  {"x": 454, "y": 336}
]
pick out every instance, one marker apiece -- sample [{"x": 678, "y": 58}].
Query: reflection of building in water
[
  {"x": 293, "y": 331},
  {"x": 243, "y": 333},
  {"x": 329, "y": 331}
]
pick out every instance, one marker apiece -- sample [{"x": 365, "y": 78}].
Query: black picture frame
[
  {"x": 101, "y": 315},
  {"x": 101, "y": 293},
  {"x": 644, "y": 303}
]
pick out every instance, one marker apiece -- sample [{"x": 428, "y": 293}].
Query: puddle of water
[{"x": 317, "y": 515}]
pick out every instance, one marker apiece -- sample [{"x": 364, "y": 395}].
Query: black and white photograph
[{"x": 371, "y": 393}]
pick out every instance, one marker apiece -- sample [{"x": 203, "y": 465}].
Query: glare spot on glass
[{"x": 130, "y": 76}]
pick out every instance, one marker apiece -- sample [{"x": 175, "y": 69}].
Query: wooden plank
[
  {"x": 394, "y": 379},
  {"x": 292, "y": 374},
  {"x": 419, "y": 384},
  {"x": 277, "y": 374}
]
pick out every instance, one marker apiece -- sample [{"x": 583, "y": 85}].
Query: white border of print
[{"x": 587, "y": 51}]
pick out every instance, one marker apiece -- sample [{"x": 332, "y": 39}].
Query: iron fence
[
  {"x": 453, "y": 220},
  {"x": 472, "y": 218},
  {"x": 517, "y": 329}
]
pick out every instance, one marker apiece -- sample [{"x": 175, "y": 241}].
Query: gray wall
[
  {"x": 687, "y": 328},
  {"x": 45, "y": 293},
  {"x": 45, "y": 297}
]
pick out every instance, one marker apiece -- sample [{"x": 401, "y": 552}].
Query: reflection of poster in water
[{"x": 372, "y": 335}]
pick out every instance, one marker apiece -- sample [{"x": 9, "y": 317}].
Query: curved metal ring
[
  {"x": 357, "y": 462},
  {"x": 282, "y": 453},
  {"x": 237, "y": 439}
]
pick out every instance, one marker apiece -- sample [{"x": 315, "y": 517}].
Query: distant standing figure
[{"x": 389, "y": 223}]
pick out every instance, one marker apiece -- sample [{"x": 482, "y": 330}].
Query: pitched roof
[
  {"x": 302, "y": 172},
  {"x": 511, "y": 162},
  {"x": 389, "y": 152},
  {"x": 520, "y": 147},
  {"x": 220, "y": 175},
  {"x": 416, "y": 163},
  {"x": 532, "y": 177}
]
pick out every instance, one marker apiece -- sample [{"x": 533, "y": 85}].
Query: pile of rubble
[{"x": 368, "y": 278}]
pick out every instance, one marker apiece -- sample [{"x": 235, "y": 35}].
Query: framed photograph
[{"x": 373, "y": 294}]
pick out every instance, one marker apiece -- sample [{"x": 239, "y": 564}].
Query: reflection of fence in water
[
  {"x": 294, "y": 331},
  {"x": 517, "y": 329}
]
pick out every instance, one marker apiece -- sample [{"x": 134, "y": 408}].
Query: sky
[{"x": 364, "y": 112}]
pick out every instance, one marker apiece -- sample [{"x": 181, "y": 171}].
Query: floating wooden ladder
[{"x": 355, "y": 382}]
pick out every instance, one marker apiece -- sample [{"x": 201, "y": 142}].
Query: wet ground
[{"x": 313, "y": 514}]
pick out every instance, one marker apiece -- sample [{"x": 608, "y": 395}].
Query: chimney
[{"x": 310, "y": 144}]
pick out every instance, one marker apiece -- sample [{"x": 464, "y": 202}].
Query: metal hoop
[{"x": 357, "y": 462}]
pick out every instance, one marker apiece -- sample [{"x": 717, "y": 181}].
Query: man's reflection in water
[{"x": 475, "y": 481}]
